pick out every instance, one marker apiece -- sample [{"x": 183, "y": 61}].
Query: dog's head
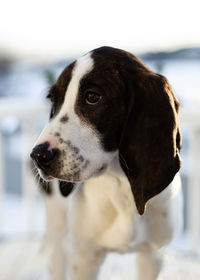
[{"x": 107, "y": 103}]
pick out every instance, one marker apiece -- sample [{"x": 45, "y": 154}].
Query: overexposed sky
[{"x": 53, "y": 29}]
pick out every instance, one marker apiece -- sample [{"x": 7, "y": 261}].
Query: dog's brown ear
[{"x": 150, "y": 146}]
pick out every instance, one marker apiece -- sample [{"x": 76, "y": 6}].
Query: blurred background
[{"x": 37, "y": 40}]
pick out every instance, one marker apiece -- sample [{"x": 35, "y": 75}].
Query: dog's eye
[{"x": 92, "y": 98}]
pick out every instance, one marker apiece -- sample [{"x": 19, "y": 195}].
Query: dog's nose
[{"x": 43, "y": 155}]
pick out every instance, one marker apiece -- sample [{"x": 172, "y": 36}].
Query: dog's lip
[
  {"x": 45, "y": 176},
  {"x": 97, "y": 172}
]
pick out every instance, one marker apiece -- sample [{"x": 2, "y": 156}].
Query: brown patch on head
[
  {"x": 58, "y": 90},
  {"x": 137, "y": 115},
  {"x": 108, "y": 115},
  {"x": 64, "y": 119}
]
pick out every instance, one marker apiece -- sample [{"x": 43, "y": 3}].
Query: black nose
[{"x": 43, "y": 155}]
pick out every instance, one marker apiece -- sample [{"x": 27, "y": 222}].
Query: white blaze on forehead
[{"x": 83, "y": 66}]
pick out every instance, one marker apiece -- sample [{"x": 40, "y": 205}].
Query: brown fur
[{"x": 138, "y": 115}]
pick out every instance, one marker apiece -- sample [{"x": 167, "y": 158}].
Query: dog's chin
[{"x": 84, "y": 175}]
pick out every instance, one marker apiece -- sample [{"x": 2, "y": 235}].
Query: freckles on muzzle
[{"x": 64, "y": 163}]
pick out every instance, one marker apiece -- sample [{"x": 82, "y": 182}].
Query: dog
[{"x": 113, "y": 147}]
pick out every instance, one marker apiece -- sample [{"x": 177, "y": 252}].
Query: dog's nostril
[{"x": 43, "y": 156}]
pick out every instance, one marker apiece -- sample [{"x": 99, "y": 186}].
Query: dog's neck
[{"x": 115, "y": 169}]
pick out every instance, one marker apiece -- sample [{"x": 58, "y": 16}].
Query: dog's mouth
[
  {"x": 45, "y": 176},
  {"x": 79, "y": 176}
]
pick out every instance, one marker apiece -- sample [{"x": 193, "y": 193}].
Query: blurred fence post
[
  {"x": 29, "y": 190},
  {"x": 193, "y": 197},
  {"x": 2, "y": 176}
]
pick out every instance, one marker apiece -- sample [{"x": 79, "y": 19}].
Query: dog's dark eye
[{"x": 92, "y": 98}]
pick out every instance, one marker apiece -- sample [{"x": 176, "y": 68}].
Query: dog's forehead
[
  {"x": 99, "y": 60},
  {"x": 74, "y": 72},
  {"x": 92, "y": 67},
  {"x": 67, "y": 85},
  {"x": 82, "y": 67}
]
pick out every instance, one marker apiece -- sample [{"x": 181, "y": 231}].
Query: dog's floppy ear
[{"x": 151, "y": 140}]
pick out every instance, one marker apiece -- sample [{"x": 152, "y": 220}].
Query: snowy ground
[{"x": 20, "y": 260}]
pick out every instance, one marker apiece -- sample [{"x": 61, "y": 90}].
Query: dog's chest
[{"x": 103, "y": 212}]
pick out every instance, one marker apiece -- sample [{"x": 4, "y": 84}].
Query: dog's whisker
[
  {"x": 40, "y": 182},
  {"x": 34, "y": 168}
]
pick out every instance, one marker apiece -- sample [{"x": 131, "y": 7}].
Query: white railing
[
  {"x": 190, "y": 119},
  {"x": 30, "y": 114}
]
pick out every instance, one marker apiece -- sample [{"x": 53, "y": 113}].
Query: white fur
[{"x": 101, "y": 215}]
